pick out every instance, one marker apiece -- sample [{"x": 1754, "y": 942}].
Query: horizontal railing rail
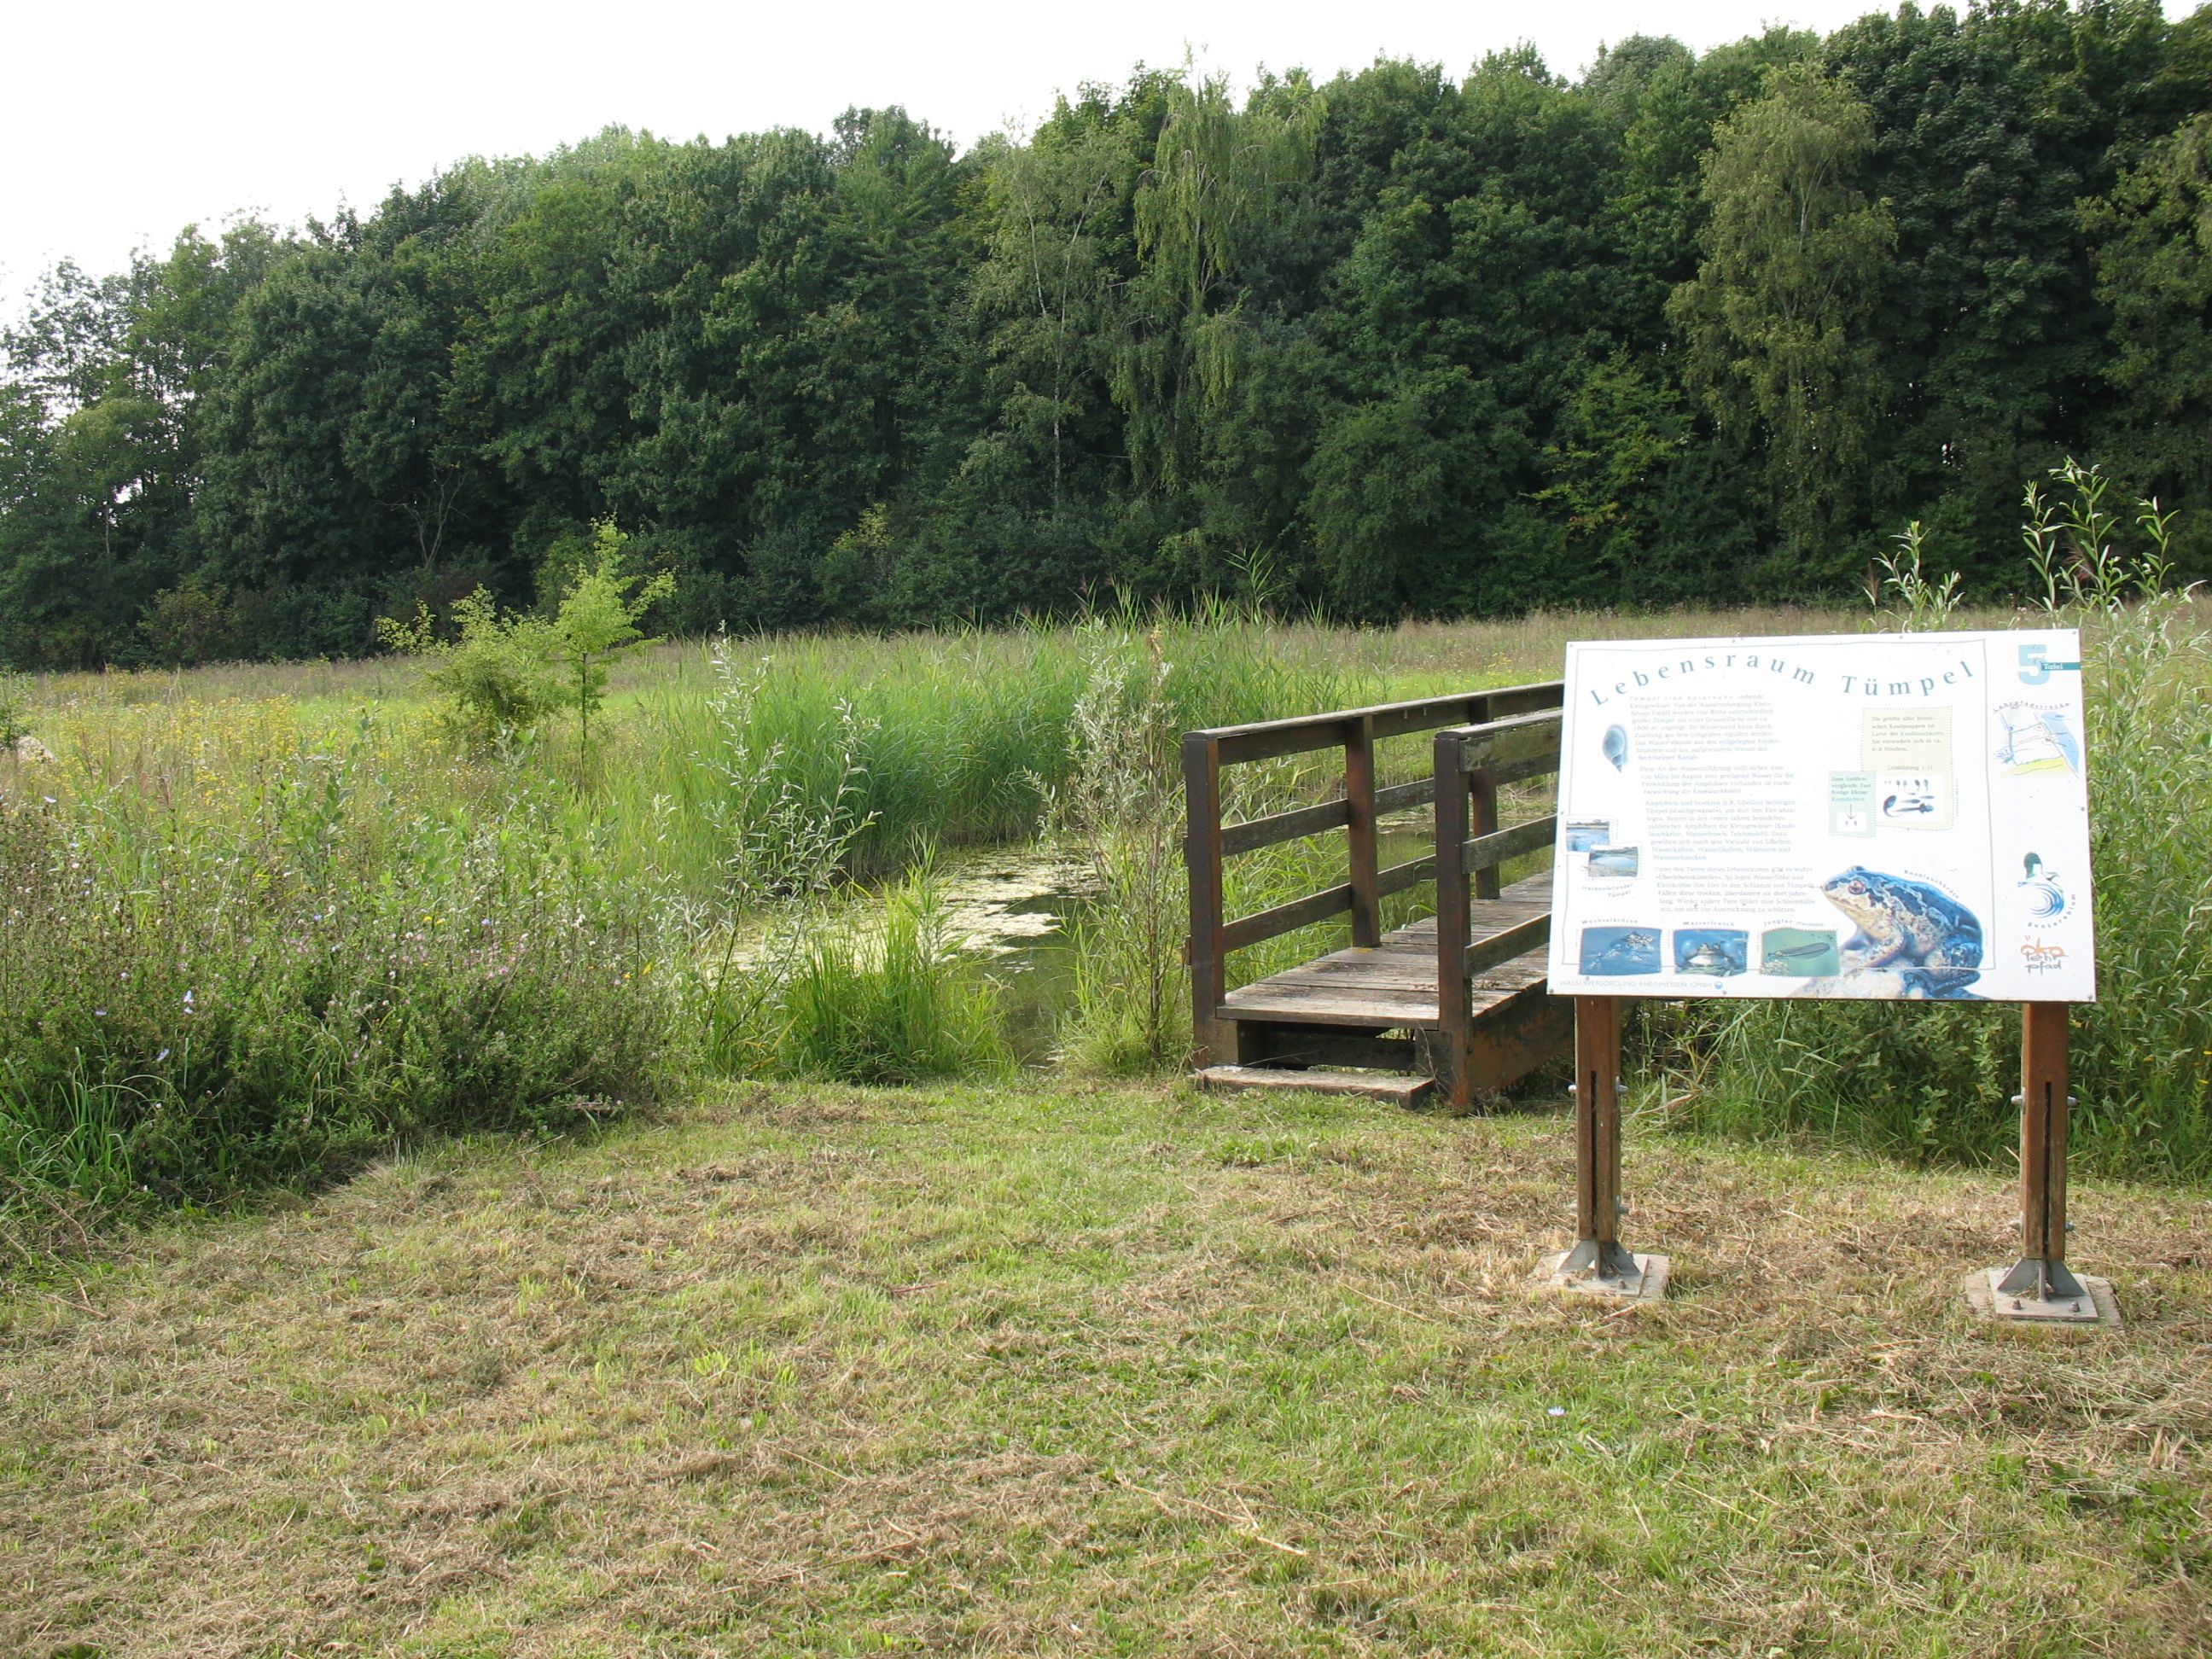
[
  {"x": 1304, "y": 733},
  {"x": 1523, "y": 741}
]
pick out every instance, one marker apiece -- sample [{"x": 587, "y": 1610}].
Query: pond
[{"x": 1013, "y": 905}]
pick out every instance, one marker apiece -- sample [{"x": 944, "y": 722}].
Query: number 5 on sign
[{"x": 2035, "y": 668}]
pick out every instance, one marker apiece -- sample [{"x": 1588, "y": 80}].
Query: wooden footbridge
[
  {"x": 1458, "y": 1001},
  {"x": 1455, "y": 1001}
]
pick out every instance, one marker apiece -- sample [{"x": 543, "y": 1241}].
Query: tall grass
[
  {"x": 258, "y": 977},
  {"x": 258, "y": 924},
  {"x": 1937, "y": 1081}
]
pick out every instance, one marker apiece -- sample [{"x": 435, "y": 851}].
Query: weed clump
[
  {"x": 900, "y": 1004},
  {"x": 1116, "y": 799},
  {"x": 1122, "y": 807}
]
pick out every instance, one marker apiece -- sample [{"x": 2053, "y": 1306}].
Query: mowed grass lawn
[{"x": 1061, "y": 1371}]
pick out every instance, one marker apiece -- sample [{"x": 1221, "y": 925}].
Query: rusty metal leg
[
  {"x": 2041, "y": 1287},
  {"x": 2041, "y": 1273},
  {"x": 1598, "y": 1252}
]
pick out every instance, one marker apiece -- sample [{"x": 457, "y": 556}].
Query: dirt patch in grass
[{"x": 1113, "y": 1371}]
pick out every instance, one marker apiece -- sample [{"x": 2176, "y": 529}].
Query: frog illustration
[
  {"x": 1712, "y": 958},
  {"x": 1916, "y": 931}
]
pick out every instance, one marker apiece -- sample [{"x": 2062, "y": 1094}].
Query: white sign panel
[{"x": 1888, "y": 815}]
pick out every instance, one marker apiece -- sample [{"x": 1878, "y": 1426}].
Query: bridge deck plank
[{"x": 1393, "y": 985}]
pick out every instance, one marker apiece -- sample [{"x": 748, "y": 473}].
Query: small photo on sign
[
  {"x": 1799, "y": 953},
  {"x": 1617, "y": 862},
  {"x": 1718, "y": 951},
  {"x": 1851, "y": 803},
  {"x": 1621, "y": 951},
  {"x": 1583, "y": 834}
]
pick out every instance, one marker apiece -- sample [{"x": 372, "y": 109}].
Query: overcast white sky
[{"x": 126, "y": 121}]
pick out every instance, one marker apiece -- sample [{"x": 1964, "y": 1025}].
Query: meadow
[
  {"x": 265, "y": 924},
  {"x": 1067, "y": 1369},
  {"x": 443, "y": 1214}
]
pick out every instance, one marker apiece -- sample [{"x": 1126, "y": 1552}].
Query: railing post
[
  {"x": 1364, "y": 859},
  {"x": 1455, "y": 1002},
  {"x": 1482, "y": 796},
  {"x": 1201, "y": 785}
]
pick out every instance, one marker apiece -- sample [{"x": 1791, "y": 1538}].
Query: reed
[
  {"x": 893, "y": 1002},
  {"x": 1936, "y": 1082}
]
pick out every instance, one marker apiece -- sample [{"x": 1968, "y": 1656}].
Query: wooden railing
[
  {"x": 1472, "y": 763},
  {"x": 1209, "y": 842}
]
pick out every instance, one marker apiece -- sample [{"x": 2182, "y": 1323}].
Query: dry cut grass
[{"x": 1127, "y": 1372}]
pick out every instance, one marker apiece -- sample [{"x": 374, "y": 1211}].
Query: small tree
[
  {"x": 598, "y": 623},
  {"x": 494, "y": 677}
]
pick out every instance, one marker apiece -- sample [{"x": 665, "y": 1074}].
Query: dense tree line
[{"x": 1689, "y": 328}]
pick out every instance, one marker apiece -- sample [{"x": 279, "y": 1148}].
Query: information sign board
[{"x": 1886, "y": 816}]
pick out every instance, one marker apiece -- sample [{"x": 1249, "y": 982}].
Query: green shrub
[
  {"x": 186, "y": 626},
  {"x": 497, "y": 677},
  {"x": 195, "y": 1010},
  {"x": 504, "y": 673}
]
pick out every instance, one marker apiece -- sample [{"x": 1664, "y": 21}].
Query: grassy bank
[{"x": 1067, "y": 1371}]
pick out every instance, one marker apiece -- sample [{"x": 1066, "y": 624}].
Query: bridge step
[{"x": 1376, "y": 1085}]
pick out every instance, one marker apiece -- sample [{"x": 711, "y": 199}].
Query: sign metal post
[
  {"x": 1599, "y": 1260},
  {"x": 2040, "y": 1285}
]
